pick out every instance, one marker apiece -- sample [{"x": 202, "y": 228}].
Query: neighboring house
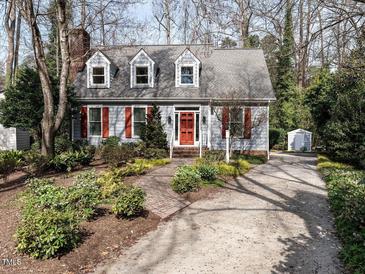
[
  {"x": 13, "y": 138},
  {"x": 193, "y": 85}
]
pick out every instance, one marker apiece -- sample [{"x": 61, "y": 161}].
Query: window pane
[
  {"x": 197, "y": 121},
  {"x": 95, "y": 128},
  {"x": 138, "y": 127},
  {"x": 187, "y": 79},
  {"x": 98, "y": 71},
  {"x": 95, "y": 114},
  {"x": 142, "y": 80},
  {"x": 139, "y": 114},
  {"x": 187, "y": 70},
  {"x": 176, "y": 126},
  {"x": 141, "y": 70},
  {"x": 98, "y": 79}
]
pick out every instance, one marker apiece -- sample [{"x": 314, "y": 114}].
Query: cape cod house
[{"x": 193, "y": 85}]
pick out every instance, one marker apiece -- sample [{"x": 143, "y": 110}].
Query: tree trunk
[
  {"x": 50, "y": 122},
  {"x": 17, "y": 41},
  {"x": 10, "y": 23}
]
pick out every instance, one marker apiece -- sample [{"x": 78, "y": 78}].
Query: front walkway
[
  {"x": 275, "y": 219},
  {"x": 161, "y": 199}
]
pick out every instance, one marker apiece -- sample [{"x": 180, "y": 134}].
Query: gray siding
[
  {"x": 258, "y": 139},
  {"x": 22, "y": 139},
  {"x": 14, "y": 139}
]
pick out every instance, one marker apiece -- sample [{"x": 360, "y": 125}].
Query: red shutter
[
  {"x": 105, "y": 122},
  {"x": 83, "y": 122},
  {"x": 248, "y": 124},
  {"x": 128, "y": 122},
  {"x": 225, "y": 121},
  {"x": 149, "y": 113}
]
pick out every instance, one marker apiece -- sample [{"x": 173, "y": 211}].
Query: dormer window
[
  {"x": 100, "y": 70},
  {"x": 187, "y": 75},
  {"x": 98, "y": 76},
  {"x": 142, "y": 70},
  {"x": 142, "y": 75},
  {"x": 187, "y": 70}
]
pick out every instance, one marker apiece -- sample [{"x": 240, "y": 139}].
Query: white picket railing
[{"x": 171, "y": 144}]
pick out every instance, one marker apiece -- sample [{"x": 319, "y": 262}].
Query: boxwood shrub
[{"x": 186, "y": 179}]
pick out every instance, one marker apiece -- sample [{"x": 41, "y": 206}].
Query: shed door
[{"x": 299, "y": 141}]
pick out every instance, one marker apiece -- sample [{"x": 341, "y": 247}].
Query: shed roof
[
  {"x": 225, "y": 74},
  {"x": 300, "y": 130}
]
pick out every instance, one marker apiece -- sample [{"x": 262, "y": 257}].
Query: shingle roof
[{"x": 225, "y": 74}]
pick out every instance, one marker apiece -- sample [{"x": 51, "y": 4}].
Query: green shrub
[
  {"x": 207, "y": 172},
  {"x": 63, "y": 144},
  {"x": 36, "y": 163},
  {"x": 130, "y": 202},
  {"x": 243, "y": 166},
  {"x": 276, "y": 137},
  {"x": 346, "y": 194},
  {"x": 155, "y": 153},
  {"x": 136, "y": 168},
  {"x": 111, "y": 141},
  {"x": 153, "y": 133},
  {"x": 68, "y": 160},
  {"x": 115, "y": 156},
  {"x": 84, "y": 195},
  {"x": 44, "y": 233},
  {"x": 252, "y": 159},
  {"x": 111, "y": 183},
  {"x": 186, "y": 179},
  {"x": 150, "y": 163},
  {"x": 225, "y": 169},
  {"x": 9, "y": 162},
  {"x": 214, "y": 155}
]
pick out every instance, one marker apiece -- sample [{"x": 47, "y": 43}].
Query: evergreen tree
[
  {"x": 285, "y": 112},
  {"x": 153, "y": 133}
]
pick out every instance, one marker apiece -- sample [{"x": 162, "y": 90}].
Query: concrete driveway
[{"x": 273, "y": 220}]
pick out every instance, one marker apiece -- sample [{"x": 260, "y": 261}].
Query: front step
[{"x": 186, "y": 152}]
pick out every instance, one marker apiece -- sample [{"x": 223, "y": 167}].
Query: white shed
[{"x": 299, "y": 140}]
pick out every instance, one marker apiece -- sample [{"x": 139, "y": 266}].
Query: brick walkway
[{"x": 161, "y": 199}]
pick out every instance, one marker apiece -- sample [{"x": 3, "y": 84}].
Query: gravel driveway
[{"x": 275, "y": 219}]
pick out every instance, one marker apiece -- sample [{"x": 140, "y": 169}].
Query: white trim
[
  {"x": 209, "y": 127},
  {"x": 196, "y": 143},
  {"x": 106, "y": 64},
  {"x": 150, "y": 64},
  {"x": 137, "y": 106},
  {"x": 185, "y": 84},
  {"x": 268, "y": 132},
  {"x": 88, "y": 121}
]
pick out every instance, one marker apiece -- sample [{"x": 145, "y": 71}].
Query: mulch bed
[{"x": 105, "y": 237}]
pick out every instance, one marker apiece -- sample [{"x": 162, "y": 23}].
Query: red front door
[{"x": 186, "y": 128}]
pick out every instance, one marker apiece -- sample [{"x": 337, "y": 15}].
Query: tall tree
[{"x": 52, "y": 119}]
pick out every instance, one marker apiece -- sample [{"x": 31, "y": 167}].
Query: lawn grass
[{"x": 346, "y": 192}]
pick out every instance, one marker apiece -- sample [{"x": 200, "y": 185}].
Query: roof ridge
[{"x": 150, "y": 45}]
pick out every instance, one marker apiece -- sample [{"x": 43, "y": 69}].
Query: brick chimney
[{"x": 79, "y": 41}]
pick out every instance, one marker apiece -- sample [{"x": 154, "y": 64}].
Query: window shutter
[
  {"x": 247, "y": 124},
  {"x": 105, "y": 122},
  {"x": 83, "y": 122},
  {"x": 225, "y": 121},
  {"x": 149, "y": 113},
  {"x": 128, "y": 122}
]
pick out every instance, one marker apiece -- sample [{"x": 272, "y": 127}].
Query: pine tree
[
  {"x": 284, "y": 114},
  {"x": 153, "y": 133}
]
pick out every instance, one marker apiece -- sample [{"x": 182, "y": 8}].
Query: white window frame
[
  {"x": 134, "y": 136},
  {"x": 150, "y": 64},
  {"x": 88, "y": 121},
  {"x": 148, "y": 75},
  {"x": 180, "y": 62},
  {"x": 104, "y": 75},
  {"x": 90, "y": 65},
  {"x": 187, "y": 84}
]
